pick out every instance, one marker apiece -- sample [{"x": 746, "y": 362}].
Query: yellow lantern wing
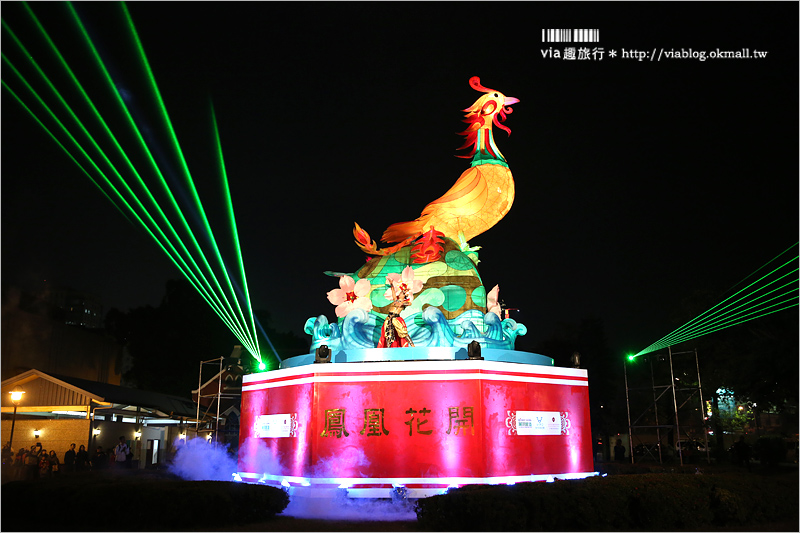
[
  {"x": 476, "y": 202},
  {"x": 468, "y": 189},
  {"x": 482, "y": 195}
]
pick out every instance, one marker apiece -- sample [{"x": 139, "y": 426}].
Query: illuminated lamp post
[{"x": 16, "y": 397}]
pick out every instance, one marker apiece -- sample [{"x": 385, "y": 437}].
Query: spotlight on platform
[
  {"x": 399, "y": 493},
  {"x": 576, "y": 360},
  {"x": 322, "y": 354},
  {"x": 474, "y": 350}
]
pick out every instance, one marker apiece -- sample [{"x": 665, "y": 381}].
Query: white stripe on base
[{"x": 326, "y": 484}]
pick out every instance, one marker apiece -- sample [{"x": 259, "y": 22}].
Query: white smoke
[
  {"x": 350, "y": 458},
  {"x": 198, "y": 459},
  {"x": 259, "y": 457},
  {"x": 337, "y": 506}
]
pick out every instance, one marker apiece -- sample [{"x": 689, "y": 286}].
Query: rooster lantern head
[
  {"x": 491, "y": 108},
  {"x": 492, "y": 104}
]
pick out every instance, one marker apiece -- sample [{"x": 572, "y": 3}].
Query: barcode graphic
[{"x": 570, "y": 36}]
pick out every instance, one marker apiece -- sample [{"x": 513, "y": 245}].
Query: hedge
[
  {"x": 646, "y": 502},
  {"x": 113, "y": 503}
]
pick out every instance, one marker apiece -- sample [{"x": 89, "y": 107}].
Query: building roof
[{"x": 85, "y": 392}]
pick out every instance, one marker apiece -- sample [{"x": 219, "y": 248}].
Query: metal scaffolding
[
  {"x": 661, "y": 413},
  {"x": 217, "y": 396}
]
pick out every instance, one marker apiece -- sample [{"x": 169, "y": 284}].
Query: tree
[
  {"x": 287, "y": 344},
  {"x": 756, "y": 361},
  {"x": 167, "y": 343},
  {"x": 606, "y": 391}
]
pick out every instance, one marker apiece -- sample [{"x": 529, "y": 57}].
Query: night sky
[{"x": 638, "y": 183}]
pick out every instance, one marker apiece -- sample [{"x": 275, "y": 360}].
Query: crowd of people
[{"x": 37, "y": 462}]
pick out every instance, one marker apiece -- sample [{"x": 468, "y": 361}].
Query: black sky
[{"x": 638, "y": 182}]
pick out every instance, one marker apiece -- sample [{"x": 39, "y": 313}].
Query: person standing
[
  {"x": 742, "y": 450},
  {"x": 99, "y": 460},
  {"x": 81, "y": 459},
  {"x": 8, "y": 454},
  {"x": 55, "y": 466},
  {"x": 121, "y": 452},
  {"x": 19, "y": 463},
  {"x": 32, "y": 464},
  {"x": 69, "y": 459},
  {"x": 44, "y": 464},
  {"x": 619, "y": 451}
]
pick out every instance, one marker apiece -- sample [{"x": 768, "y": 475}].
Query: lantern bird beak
[{"x": 509, "y": 100}]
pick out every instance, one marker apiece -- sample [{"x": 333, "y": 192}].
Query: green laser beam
[
  {"x": 660, "y": 346},
  {"x": 761, "y": 267},
  {"x": 207, "y": 291},
  {"x": 733, "y": 322},
  {"x": 232, "y": 221},
  {"x": 123, "y": 201},
  {"x": 176, "y": 146},
  {"x": 734, "y": 295},
  {"x": 103, "y": 124},
  {"x": 86, "y": 133},
  {"x": 710, "y": 328},
  {"x": 754, "y": 306},
  {"x": 712, "y": 319},
  {"x": 124, "y": 198},
  {"x": 67, "y": 152}
]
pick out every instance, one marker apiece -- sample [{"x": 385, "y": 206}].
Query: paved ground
[{"x": 283, "y": 523}]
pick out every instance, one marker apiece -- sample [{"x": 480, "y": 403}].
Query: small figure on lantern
[{"x": 394, "y": 333}]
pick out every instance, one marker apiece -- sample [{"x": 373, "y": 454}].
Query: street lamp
[{"x": 16, "y": 396}]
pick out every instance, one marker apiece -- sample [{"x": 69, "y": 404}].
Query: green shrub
[
  {"x": 108, "y": 503},
  {"x": 770, "y": 450},
  {"x": 481, "y": 506},
  {"x": 729, "y": 507},
  {"x": 646, "y": 502}
]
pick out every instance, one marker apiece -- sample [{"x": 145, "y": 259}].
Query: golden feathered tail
[
  {"x": 368, "y": 246},
  {"x": 403, "y": 231}
]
